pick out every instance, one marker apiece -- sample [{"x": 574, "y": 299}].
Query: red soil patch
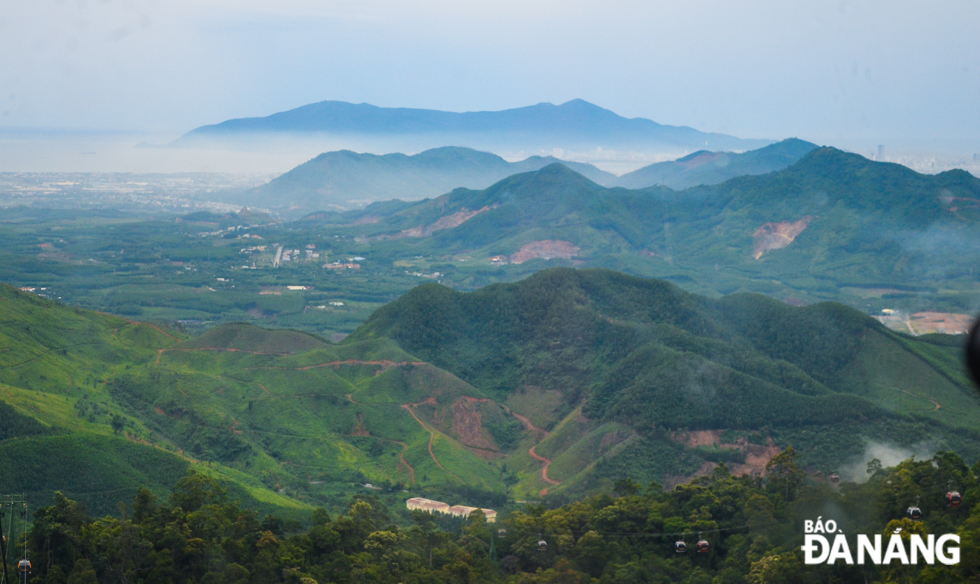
[
  {"x": 447, "y": 222},
  {"x": 545, "y": 249},
  {"x": 775, "y": 235},
  {"x": 940, "y": 322},
  {"x": 467, "y": 424},
  {"x": 756, "y": 456}
]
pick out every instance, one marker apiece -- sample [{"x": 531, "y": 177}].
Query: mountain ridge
[
  {"x": 345, "y": 179},
  {"x": 830, "y": 224},
  {"x": 575, "y": 123},
  {"x": 705, "y": 168}
]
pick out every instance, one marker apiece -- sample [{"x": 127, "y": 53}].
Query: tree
[
  {"x": 783, "y": 475},
  {"x": 117, "y": 423},
  {"x": 782, "y": 569},
  {"x": 626, "y": 487}
]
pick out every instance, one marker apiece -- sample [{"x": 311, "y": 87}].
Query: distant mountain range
[
  {"x": 346, "y": 180},
  {"x": 576, "y": 124},
  {"x": 832, "y": 223}
]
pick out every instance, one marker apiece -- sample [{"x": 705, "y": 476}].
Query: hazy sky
[{"x": 852, "y": 74}]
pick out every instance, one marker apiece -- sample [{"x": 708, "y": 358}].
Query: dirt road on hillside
[
  {"x": 544, "y": 470},
  {"x": 432, "y": 435}
]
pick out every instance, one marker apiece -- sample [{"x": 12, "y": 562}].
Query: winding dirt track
[
  {"x": 544, "y": 470},
  {"x": 527, "y": 423},
  {"x": 408, "y": 467},
  {"x": 544, "y": 461},
  {"x": 432, "y": 435}
]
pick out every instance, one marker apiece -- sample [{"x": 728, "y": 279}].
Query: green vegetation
[
  {"x": 753, "y": 529},
  {"x": 645, "y": 360},
  {"x": 594, "y": 373},
  {"x": 591, "y": 374}
]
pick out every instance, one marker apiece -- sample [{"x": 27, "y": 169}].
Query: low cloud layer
[{"x": 889, "y": 455}]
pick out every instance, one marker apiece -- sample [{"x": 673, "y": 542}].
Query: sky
[{"x": 849, "y": 74}]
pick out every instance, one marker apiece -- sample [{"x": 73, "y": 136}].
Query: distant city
[{"x": 176, "y": 193}]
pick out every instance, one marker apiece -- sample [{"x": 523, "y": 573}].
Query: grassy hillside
[
  {"x": 95, "y": 406},
  {"x": 61, "y": 429}
]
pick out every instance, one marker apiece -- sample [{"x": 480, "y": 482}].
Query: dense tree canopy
[{"x": 753, "y": 525}]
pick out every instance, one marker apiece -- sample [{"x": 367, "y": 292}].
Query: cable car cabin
[
  {"x": 24, "y": 567},
  {"x": 542, "y": 546},
  {"x": 953, "y": 499},
  {"x": 835, "y": 479},
  {"x": 680, "y": 547},
  {"x": 703, "y": 546},
  {"x": 501, "y": 533},
  {"x": 914, "y": 513}
]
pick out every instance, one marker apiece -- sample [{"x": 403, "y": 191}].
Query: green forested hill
[
  {"x": 559, "y": 384},
  {"x": 642, "y": 364}
]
